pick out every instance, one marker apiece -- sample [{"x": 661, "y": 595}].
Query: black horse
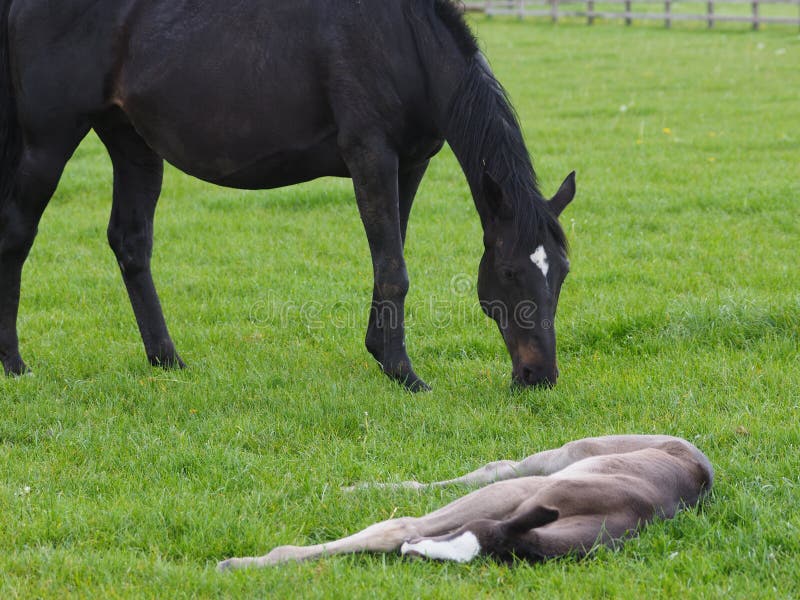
[{"x": 265, "y": 93}]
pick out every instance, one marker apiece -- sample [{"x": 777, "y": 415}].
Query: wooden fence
[{"x": 749, "y": 11}]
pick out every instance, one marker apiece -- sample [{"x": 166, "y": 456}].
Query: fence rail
[{"x": 556, "y": 9}]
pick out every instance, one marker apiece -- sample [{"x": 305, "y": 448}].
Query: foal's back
[{"x": 672, "y": 471}]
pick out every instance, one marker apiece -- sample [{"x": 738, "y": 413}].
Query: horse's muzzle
[{"x": 534, "y": 376}]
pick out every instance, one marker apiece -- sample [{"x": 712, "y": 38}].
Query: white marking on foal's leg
[
  {"x": 461, "y": 549},
  {"x": 539, "y": 258}
]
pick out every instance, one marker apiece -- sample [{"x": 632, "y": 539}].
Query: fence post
[
  {"x": 554, "y": 10},
  {"x": 755, "y": 15},
  {"x": 627, "y": 10},
  {"x": 590, "y": 11},
  {"x": 668, "y": 13},
  {"x": 710, "y": 14},
  {"x": 520, "y": 9}
]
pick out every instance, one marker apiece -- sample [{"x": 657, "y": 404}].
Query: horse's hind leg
[
  {"x": 37, "y": 174},
  {"x": 137, "y": 185}
]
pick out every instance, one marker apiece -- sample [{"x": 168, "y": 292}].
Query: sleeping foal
[{"x": 563, "y": 501}]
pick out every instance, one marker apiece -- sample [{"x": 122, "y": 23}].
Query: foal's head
[{"x": 520, "y": 279}]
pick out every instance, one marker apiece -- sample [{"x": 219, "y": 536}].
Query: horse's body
[
  {"x": 557, "y": 502},
  {"x": 265, "y": 111},
  {"x": 260, "y": 94}
]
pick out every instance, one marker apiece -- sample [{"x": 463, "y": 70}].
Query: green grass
[{"x": 681, "y": 316}]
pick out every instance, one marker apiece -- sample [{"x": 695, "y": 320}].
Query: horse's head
[{"x": 519, "y": 282}]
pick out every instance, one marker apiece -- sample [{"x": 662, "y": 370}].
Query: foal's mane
[{"x": 485, "y": 135}]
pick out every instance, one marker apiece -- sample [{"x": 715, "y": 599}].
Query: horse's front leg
[
  {"x": 374, "y": 169},
  {"x": 409, "y": 178}
]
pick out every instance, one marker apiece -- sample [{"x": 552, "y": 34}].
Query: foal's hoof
[
  {"x": 225, "y": 565},
  {"x": 412, "y": 555},
  {"x": 233, "y": 564}
]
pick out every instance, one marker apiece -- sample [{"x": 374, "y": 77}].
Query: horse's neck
[
  {"x": 468, "y": 105},
  {"x": 485, "y": 136}
]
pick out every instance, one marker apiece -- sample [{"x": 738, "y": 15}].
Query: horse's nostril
[
  {"x": 528, "y": 376},
  {"x": 535, "y": 376}
]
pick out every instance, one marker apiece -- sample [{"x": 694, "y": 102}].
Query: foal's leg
[
  {"x": 576, "y": 535},
  {"x": 541, "y": 463},
  {"x": 386, "y": 536},
  {"x": 137, "y": 184},
  {"x": 493, "y": 502},
  {"x": 548, "y": 462},
  {"x": 37, "y": 175},
  {"x": 563, "y": 516},
  {"x": 554, "y": 537},
  {"x": 552, "y": 461},
  {"x": 374, "y": 169},
  {"x": 408, "y": 184},
  {"x": 495, "y": 471}
]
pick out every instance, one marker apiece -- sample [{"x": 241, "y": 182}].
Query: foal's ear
[
  {"x": 495, "y": 202},
  {"x": 563, "y": 196}
]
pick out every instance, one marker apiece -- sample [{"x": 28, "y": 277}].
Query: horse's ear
[
  {"x": 563, "y": 196},
  {"x": 493, "y": 195}
]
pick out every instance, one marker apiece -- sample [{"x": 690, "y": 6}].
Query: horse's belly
[
  {"x": 288, "y": 167},
  {"x": 255, "y": 160}
]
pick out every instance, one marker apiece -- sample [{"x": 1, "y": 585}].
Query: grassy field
[{"x": 681, "y": 316}]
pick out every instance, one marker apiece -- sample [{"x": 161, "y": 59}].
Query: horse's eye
[{"x": 508, "y": 274}]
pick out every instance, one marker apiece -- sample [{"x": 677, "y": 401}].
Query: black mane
[
  {"x": 485, "y": 135},
  {"x": 452, "y": 15}
]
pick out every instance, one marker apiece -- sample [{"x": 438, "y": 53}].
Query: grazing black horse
[{"x": 264, "y": 93}]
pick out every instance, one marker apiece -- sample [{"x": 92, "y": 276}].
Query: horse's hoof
[
  {"x": 15, "y": 367},
  {"x": 168, "y": 361},
  {"x": 417, "y": 386},
  {"x": 411, "y": 382}
]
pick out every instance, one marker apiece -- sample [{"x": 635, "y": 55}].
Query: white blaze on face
[
  {"x": 461, "y": 549},
  {"x": 539, "y": 258}
]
